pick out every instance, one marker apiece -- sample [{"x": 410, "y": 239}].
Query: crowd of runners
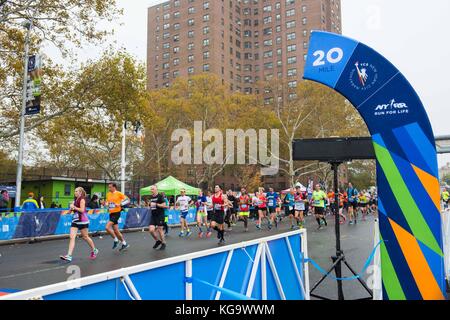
[{"x": 218, "y": 211}]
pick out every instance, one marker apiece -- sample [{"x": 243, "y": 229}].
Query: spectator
[
  {"x": 94, "y": 203},
  {"x": 53, "y": 205},
  {"x": 30, "y": 204},
  {"x": 41, "y": 202},
  {"x": 4, "y": 199}
]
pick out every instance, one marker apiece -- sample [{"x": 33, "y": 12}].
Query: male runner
[
  {"x": 272, "y": 202},
  {"x": 318, "y": 202},
  {"x": 183, "y": 202},
  {"x": 352, "y": 195},
  {"x": 289, "y": 202},
  {"x": 230, "y": 211},
  {"x": 157, "y": 206},
  {"x": 244, "y": 207},
  {"x": 445, "y": 197},
  {"x": 220, "y": 202},
  {"x": 114, "y": 201}
]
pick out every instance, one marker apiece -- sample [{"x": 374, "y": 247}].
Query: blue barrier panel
[
  {"x": 137, "y": 218},
  {"x": 37, "y": 224},
  {"x": 8, "y": 226},
  {"x": 237, "y": 272}
]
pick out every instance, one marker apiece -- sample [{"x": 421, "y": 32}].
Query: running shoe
[
  {"x": 94, "y": 254},
  {"x": 188, "y": 234},
  {"x": 115, "y": 245},
  {"x": 301, "y": 226},
  {"x": 351, "y": 222},
  {"x": 66, "y": 258},
  {"x": 292, "y": 227},
  {"x": 157, "y": 244},
  {"x": 163, "y": 247},
  {"x": 181, "y": 234},
  {"x": 276, "y": 223},
  {"x": 269, "y": 226},
  {"x": 124, "y": 247},
  {"x": 200, "y": 234},
  {"x": 320, "y": 227},
  {"x": 208, "y": 234},
  {"x": 246, "y": 229},
  {"x": 258, "y": 227}
]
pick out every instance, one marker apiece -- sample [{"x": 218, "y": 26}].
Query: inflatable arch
[{"x": 412, "y": 259}]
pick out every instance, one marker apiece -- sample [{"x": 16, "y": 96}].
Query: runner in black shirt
[{"x": 157, "y": 206}]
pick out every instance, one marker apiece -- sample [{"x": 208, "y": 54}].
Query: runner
[
  {"x": 445, "y": 198},
  {"x": 288, "y": 202},
  {"x": 318, "y": 202},
  {"x": 220, "y": 202},
  {"x": 184, "y": 202},
  {"x": 230, "y": 211},
  {"x": 272, "y": 202},
  {"x": 363, "y": 203},
  {"x": 80, "y": 221},
  {"x": 114, "y": 201},
  {"x": 202, "y": 216},
  {"x": 341, "y": 207},
  {"x": 254, "y": 208},
  {"x": 157, "y": 206},
  {"x": 299, "y": 207},
  {"x": 331, "y": 202},
  {"x": 209, "y": 212},
  {"x": 244, "y": 207},
  {"x": 262, "y": 209},
  {"x": 352, "y": 195},
  {"x": 166, "y": 214}
]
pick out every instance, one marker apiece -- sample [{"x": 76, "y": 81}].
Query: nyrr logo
[
  {"x": 391, "y": 108},
  {"x": 364, "y": 76}
]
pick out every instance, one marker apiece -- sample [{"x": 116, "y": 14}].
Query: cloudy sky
[{"x": 413, "y": 34}]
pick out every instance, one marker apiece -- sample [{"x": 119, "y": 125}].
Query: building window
[
  {"x": 206, "y": 42},
  {"x": 268, "y": 65},
  {"x": 268, "y": 54},
  {"x": 166, "y": 26},
  {"x": 278, "y": 40},
  {"x": 165, "y": 75},
  {"x": 291, "y": 48},
  {"x": 292, "y": 84},
  {"x": 290, "y": 24},
  {"x": 267, "y": 9},
  {"x": 176, "y": 3},
  {"x": 292, "y": 72},
  {"x": 292, "y": 60},
  {"x": 166, "y": 55},
  {"x": 268, "y": 43},
  {"x": 190, "y": 46},
  {"x": 303, "y": 9},
  {"x": 166, "y": 45},
  {"x": 267, "y": 20},
  {"x": 191, "y": 10},
  {"x": 304, "y": 21},
  {"x": 176, "y": 26},
  {"x": 290, "y": 13},
  {"x": 205, "y": 30},
  {"x": 267, "y": 31},
  {"x": 206, "y": 55},
  {"x": 176, "y": 61},
  {"x": 190, "y": 70},
  {"x": 176, "y": 49},
  {"x": 190, "y": 34},
  {"x": 205, "y": 67},
  {"x": 206, "y": 17},
  {"x": 278, "y": 28},
  {"x": 166, "y": 16},
  {"x": 176, "y": 38},
  {"x": 176, "y": 14},
  {"x": 166, "y": 65},
  {"x": 290, "y": 36},
  {"x": 67, "y": 189},
  {"x": 205, "y": 5},
  {"x": 190, "y": 22},
  {"x": 277, "y": 6},
  {"x": 190, "y": 58}
]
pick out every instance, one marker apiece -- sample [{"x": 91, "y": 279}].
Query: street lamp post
[
  {"x": 123, "y": 164},
  {"x": 28, "y": 25}
]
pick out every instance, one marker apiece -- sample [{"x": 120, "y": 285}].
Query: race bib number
[
  {"x": 317, "y": 202},
  {"x": 218, "y": 206},
  {"x": 112, "y": 205},
  {"x": 244, "y": 206},
  {"x": 300, "y": 206},
  {"x": 271, "y": 203}
]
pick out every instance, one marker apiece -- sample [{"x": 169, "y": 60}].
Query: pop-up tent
[{"x": 171, "y": 187}]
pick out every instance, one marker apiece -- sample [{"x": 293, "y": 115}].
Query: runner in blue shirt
[{"x": 272, "y": 199}]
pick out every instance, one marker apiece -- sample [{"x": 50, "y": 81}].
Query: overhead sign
[{"x": 407, "y": 171}]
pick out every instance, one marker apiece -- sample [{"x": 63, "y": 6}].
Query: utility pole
[{"x": 28, "y": 25}]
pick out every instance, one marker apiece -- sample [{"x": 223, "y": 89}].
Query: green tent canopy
[{"x": 171, "y": 187}]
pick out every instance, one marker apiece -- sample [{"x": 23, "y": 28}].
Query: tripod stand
[{"x": 339, "y": 259}]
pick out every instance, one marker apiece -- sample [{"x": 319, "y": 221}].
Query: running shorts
[
  {"x": 114, "y": 218},
  {"x": 157, "y": 219},
  {"x": 184, "y": 214},
  {"x": 353, "y": 204},
  {"x": 319, "y": 210},
  {"x": 271, "y": 210},
  {"x": 80, "y": 226},
  {"x": 244, "y": 213},
  {"x": 218, "y": 217},
  {"x": 201, "y": 213}
]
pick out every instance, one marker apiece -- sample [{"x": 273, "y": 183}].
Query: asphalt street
[{"x": 26, "y": 266}]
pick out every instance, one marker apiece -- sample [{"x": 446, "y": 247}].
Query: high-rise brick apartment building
[{"x": 243, "y": 42}]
